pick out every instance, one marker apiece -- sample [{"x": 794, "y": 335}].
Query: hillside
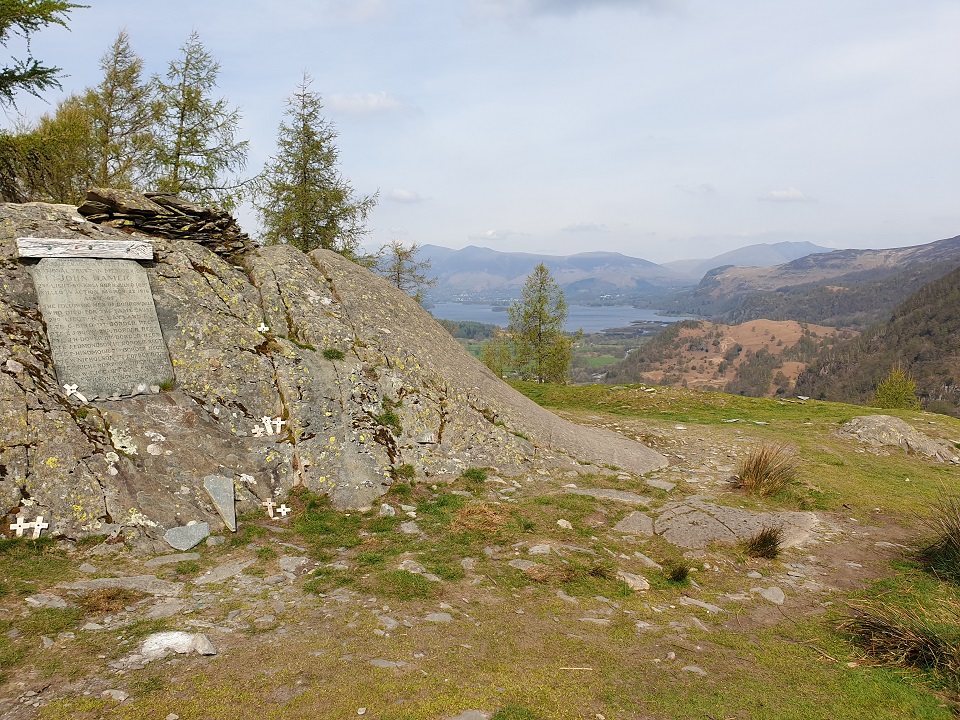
[
  {"x": 757, "y": 358},
  {"x": 482, "y": 272},
  {"x": 758, "y": 255},
  {"x": 923, "y": 335},
  {"x": 844, "y": 288}
]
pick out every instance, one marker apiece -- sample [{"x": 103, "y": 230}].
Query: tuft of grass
[
  {"x": 766, "y": 470},
  {"x": 475, "y": 474},
  {"x": 31, "y": 565},
  {"x": 389, "y": 418},
  {"x": 765, "y": 544},
  {"x": 187, "y": 567},
  {"x": 404, "y": 472},
  {"x": 478, "y": 517},
  {"x": 50, "y": 621},
  {"x": 677, "y": 572},
  {"x": 108, "y": 600},
  {"x": 910, "y": 635},
  {"x": 405, "y": 586},
  {"x": 942, "y": 555},
  {"x": 333, "y": 354}
]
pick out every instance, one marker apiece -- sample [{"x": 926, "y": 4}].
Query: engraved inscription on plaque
[{"x": 102, "y": 325}]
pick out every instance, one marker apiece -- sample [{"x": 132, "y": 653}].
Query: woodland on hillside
[{"x": 923, "y": 335}]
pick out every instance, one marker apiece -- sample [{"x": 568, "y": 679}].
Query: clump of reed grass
[
  {"x": 765, "y": 543},
  {"x": 766, "y": 470},
  {"x": 942, "y": 555}
]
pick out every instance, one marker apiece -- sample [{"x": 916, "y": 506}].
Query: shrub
[
  {"x": 108, "y": 600},
  {"x": 479, "y": 517},
  {"x": 333, "y": 354},
  {"x": 897, "y": 391},
  {"x": 765, "y": 544},
  {"x": 766, "y": 470},
  {"x": 942, "y": 555}
]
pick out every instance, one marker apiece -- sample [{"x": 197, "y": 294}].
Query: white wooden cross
[
  {"x": 72, "y": 390},
  {"x": 19, "y": 526},
  {"x": 257, "y": 431},
  {"x": 263, "y": 327},
  {"x": 278, "y": 424},
  {"x": 283, "y": 509},
  {"x": 267, "y": 424},
  {"x": 269, "y": 505},
  {"x": 39, "y": 526}
]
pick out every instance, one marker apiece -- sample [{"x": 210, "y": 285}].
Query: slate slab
[
  {"x": 186, "y": 536},
  {"x": 220, "y": 489},
  {"x": 150, "y": 584},
  {"x": 608, "y": 494},
  {"x": 223, "y": 572},
  {"x": 171, "y": 559},
  {"x": 694, "y": 523},
  {"x": 162, "y": 644},
  {"x": 102, "y": 325},
  {"x": 636, "y": 523}
]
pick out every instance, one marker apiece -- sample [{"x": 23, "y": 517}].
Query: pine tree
[
  {"x": 301, "y": 197},
  {"x": 399, "y": 265},
  {"x": 23, "y": 18},
  {"x": 542, "y": 351},
  {"x": 123, "y": 115},
  {"x": 197, "y": 145}
]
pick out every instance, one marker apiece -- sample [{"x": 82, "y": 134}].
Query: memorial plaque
[{"x": 102, "y": 325}]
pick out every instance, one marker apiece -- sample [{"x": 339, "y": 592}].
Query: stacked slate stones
[{"x": 166, "y": 215}]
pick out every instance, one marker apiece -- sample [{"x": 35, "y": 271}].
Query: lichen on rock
[{"x": 361, "y": 380}]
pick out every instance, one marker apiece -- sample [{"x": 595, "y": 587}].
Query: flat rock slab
[
  {"x": 42, "y": 600},
  {"x": 660, "y": 484},
  {"x": 162, "y": 644},
  {"x": 220, "y": 490},
  {"x": 694, "y": 523},
  {"x": 166, "y": 608},
  {"x": 771, "y": 594},
  {"x": 608, "y": 494},
  {"x": 471, "y": 715},
  {"x": 150, "y": 584},
  {"x": 223, "y": 572},
  {"x": 636, "y": 582},
  {"x": 439, "y": 617},
  {"x": 186, "y": 536},
  {"x": 636, "y": 523},
  {"x": 170, "y": 559}
]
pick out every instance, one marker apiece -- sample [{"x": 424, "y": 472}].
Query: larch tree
[
  {"x": 542, "y": 351},
  {"x": 123, "y": 116},
  {"x": 197, "y": 150},
  {"x": 398, "y": 263},
  {"x": 23, "y": 18},
  {"x": 302, "y": 198}
]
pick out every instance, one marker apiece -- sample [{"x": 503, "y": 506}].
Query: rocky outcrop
[
  {"x": 882, "y": 431},
  {"x": 367, "y": 386}
]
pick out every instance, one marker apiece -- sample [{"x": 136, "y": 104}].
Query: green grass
[{"x": 28, "y": 566}]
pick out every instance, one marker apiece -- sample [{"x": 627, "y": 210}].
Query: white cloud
[
  {"x": 585, "y": 227},
  {"x": 791, "y": 194},
  {"x": 404, "y": 196},
  {"x": 518, "y": 8},
  {"x": 364, "y": 103},
  {"x": 701, "y": 189},
  {"x": 496, "y": 235}
]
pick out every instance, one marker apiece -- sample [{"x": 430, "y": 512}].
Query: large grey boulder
[
  {"x": 266, "y": 409},
  {"x": 878, "y": 431}
]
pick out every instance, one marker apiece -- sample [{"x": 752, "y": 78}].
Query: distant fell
[
  {"x": 589, "y": 276},
  {"x": 758, "y": 255},
  {"x": 923, "y": 335},
  {"x": 843, "y": 288}
]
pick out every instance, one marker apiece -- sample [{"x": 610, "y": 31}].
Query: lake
[{"x": 591, "y": 319}]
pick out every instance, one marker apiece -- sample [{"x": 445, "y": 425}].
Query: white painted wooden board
[{"x": 28, "y": 247}]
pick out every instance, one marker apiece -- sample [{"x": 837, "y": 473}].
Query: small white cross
[
  {"x": 19, "y": 526},
  {"x": 283, "y": 509},
  {"x": 38, "y": 526},
  {"x": 71, "y": 389},
  {"x": 269, "y": 505},
  {"x": 278, "y": 424},
  {"x": 257, "y": 431},
  {"x": 262, "y": 327},
  {"x": 267, "y": 424}
]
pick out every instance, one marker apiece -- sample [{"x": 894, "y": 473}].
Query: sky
[{"x": 660, "y": 129}]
